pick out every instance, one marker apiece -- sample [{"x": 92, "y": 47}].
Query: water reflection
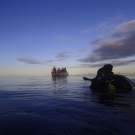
[
  {"x": 107, "y": 99},
  {"x": 59, "y": 86},
  {"x": 59, "y": 78},
  {"x": 112, "y": 100},
  {"x": 71, "y": 109}
]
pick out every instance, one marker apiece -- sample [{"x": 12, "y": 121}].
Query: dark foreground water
[{"x": 62, "y": 106}]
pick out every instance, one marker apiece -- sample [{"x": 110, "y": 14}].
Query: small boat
[
  {"x": 114, "y": 84},
  {"x": 59, "y": 72}
]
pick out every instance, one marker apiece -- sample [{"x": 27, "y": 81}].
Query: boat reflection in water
[{"x": 59, "y": 85}]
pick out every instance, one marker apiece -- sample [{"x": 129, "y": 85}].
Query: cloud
[
  {"x": 130, "y": 25},
  {"x": 59, "y": 56},
  {"x": 113, "y": 62},
  {"x": 63, "y": 39},
  {"x": 122, "y": 62},
  {"x": 29, "y": 61},
  {"x": 62, "y": 56},
  {"x": 110, "y": 23},
  {"x": 85, "y": 31},
  {"x": 97, "y": 40},
  {"x": 82, "y": 50},
  {"x": 125, "y": 30},
  {"x": 121, "y": 45},
  {"x": 98, "y": 65},
  {"x": 48, "y": 61}
]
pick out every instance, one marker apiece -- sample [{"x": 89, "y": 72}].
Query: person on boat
[
  {"x": 64, "y": 70},
  {"x": 54, "y": 70},
  {"x": 104, "y": 71},
  {"x": 59, "y": 70}
]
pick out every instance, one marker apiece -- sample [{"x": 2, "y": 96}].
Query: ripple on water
[{"x": 64, "y": 106}]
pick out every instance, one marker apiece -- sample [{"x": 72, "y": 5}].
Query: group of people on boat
[{"x": 55, "y": 70}]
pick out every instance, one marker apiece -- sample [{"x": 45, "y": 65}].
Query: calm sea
[{"x": 62, "y": 106}]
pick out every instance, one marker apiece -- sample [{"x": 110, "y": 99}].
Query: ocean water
[{"x": 62, "y": 106}]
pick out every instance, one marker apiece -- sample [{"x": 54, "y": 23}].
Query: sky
[{"x": 81, "y": 35}]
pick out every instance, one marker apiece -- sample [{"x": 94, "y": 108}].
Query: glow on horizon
[{"x": 79, "y": 35}]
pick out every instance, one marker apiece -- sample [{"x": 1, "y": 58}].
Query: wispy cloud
[
  {"x": 29, "y": 61},
  {"x": 113, "y": 62},
  {"x": 82, "y": 50},
  {"x": 97, "y": 40},
  {"x": 62, "y": 39},
  {"x": 121, "y": 45},
  {"x": 62, "y": 55},
  {"x": 110, "y": 23},
  {"x": 86, "y": 31},
  {"x": 59, "y": 56},
  {"x": 48, "y": 61}
]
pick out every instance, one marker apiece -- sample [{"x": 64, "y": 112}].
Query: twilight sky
[{"x": 82, "y": 35}]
